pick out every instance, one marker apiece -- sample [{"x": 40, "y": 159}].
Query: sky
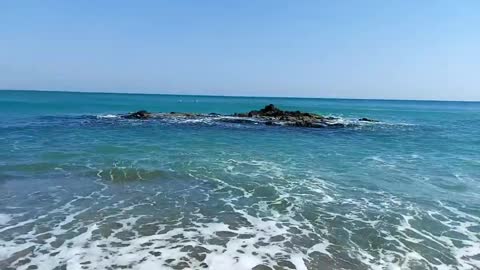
[{"x": 398, "y": 49}]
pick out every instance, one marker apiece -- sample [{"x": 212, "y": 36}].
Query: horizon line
[{"x": 232, "y": 96}]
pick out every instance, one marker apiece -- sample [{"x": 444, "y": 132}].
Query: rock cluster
[
  {"x": 269, "y": 115},
  {"x": 367, "y": 120},
  {"x": 274, "y": 116}
]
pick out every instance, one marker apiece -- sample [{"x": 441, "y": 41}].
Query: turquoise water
[{"x": 84, "y": 189}]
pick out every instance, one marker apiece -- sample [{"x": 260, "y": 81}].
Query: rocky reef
[{"x": 269, "y": 115}]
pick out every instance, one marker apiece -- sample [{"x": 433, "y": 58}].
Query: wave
[
  {"x": 236, "y": 220},
  {"x": 108, "y": 116},
  {"x": 128, "y": 174}
]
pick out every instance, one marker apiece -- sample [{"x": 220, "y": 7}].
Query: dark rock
[
  {"x": 138, "y": 115},
  {"x": 272, "y": 115},
  {"x": 271, "y": 110},
  {"x": 253, "y": 113},
  {"x": 367, "y": 120}
]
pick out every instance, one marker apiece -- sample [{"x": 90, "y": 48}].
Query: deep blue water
[{"x": 83, "y": 189}]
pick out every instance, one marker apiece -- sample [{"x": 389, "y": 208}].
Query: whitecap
[
  {"x": 4, "y": 219},
  {"x": 107, "y": 116}
]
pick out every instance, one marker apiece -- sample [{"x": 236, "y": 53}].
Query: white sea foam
[
  {"x": 84, "y": 248},
  {"x": 107, "y": 116},
  {"x": 87, "y": 246},
  {"x": 4, "y": 219},
  {"x": 290, "y": 225}
]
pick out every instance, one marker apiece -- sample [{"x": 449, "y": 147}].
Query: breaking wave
[{"x": 201, "y": 220}]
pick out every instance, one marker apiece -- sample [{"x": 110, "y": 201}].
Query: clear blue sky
[{"x": 355, "y": 49}]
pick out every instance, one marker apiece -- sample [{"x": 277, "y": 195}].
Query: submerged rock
[{"x": 367, "y": 120}]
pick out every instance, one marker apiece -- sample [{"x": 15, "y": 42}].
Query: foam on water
[
  {"x": 278, "y": 229},
  {"x": 209, "y": 119},
  {"x": 4, "y": 219},
  {"x": 108, "y": 116},
  {"x": 87, "y": 192}
]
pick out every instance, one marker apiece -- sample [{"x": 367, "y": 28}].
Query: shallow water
[{"x": 84, "y": 189}]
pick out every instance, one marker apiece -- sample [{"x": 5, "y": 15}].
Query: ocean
[{"x": 82, "y": 188}]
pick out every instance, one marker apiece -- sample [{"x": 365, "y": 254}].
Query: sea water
[{"x": 82, "y": 188}]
